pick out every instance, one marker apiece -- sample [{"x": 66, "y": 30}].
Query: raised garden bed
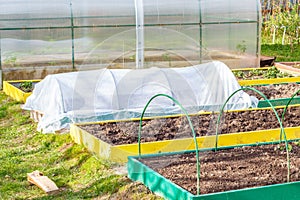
[
  {"x": 19, "y": 90},
  {"x": 278, "y": 94},
  {"x": 276, "y": 91},
  {"x": 292, "y": 64},
  {"x": 260, "y": 73},
  {"x": 249, "y": 172},
  {"x": 289, "y": 67},
  {"x": 266, "y": 75},
  {"x": 116, "y": 140}
]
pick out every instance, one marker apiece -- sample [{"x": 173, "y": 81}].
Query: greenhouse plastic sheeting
[
  {"x": 76, "y": 34},
  {"x": 108, "y": 94}
]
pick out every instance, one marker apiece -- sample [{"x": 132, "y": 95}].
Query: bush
[{"x": 285, "y": 21}]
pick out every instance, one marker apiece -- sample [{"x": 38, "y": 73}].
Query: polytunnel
[
  {"x": 38, "y": 37},
  {"x": 110, "y": 94}
]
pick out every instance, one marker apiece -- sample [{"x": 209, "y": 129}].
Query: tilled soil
[
  {"x": 275, "y": 91},
  {"x": 231, "y": 169},
  {"x": 177, "y": 127}
]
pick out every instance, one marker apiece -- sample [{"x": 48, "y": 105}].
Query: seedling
[
  {"x": 167, "y": 57},
  {"x": 132, "y": 57},
  {"x": 26, "y": 86},
  {"x": 282, "y": 147},
  {"x": 297, "y": 143},
  {"x": 241, "y": 47},
  {"x": 272, "y": 72},
  {"x": 239, "y": 74},
  {"x": 256, "y": 72}
]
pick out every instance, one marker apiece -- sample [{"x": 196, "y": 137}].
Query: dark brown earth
[
  {"x": 229, "y": 169},
  {"x": 177, "y": 127},
  {"x": 275, "y": 91}
]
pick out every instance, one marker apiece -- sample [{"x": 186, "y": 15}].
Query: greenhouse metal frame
[{"x": 82, "y": 35}]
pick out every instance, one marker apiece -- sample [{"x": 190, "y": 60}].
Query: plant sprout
[{"x": 26, "y": 86}]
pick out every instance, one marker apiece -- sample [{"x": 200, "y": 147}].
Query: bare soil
[
  {"x": 275, "y": 91},
  {"x": 230, "y": 169},
  {"x": 117, "y": 133}
]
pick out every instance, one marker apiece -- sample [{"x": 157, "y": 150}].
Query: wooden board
[{"x": 43, "y": 182}]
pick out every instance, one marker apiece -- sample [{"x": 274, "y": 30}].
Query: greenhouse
[{"x": 39, "y": 38}]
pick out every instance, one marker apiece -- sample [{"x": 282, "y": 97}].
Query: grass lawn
[
  {"x": 79, "y": 174},
  {"x": 282, "y": 52}
]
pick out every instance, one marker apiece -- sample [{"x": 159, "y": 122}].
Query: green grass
[
  {"x": 78, "y": 173},
  {"x": 282, "y": 52}
]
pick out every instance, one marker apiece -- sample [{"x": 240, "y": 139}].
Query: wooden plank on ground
[{"x": 43, "y": 182}]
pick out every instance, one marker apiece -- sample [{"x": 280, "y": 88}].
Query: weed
[{"x": 3, "y": 111}]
